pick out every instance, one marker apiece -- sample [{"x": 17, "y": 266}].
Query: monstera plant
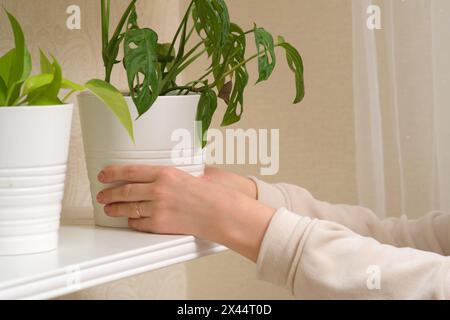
[{"x": 205, "y": 30}]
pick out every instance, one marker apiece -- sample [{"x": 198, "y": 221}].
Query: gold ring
[{"x": 138, "y": 209}]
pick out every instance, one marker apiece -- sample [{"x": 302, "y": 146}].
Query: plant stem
[
  {"x": 190, "y": 33},
  {"x": 193, "y": 83},
  {"x": 189, "y": 62},
  {"x": 109, "y": 54},
  {"x": 205, "y": 75},
  {"x": 191, "y": 52},
  {"x": 19, "y": 103},
  {"x": 182, "y": 43},
  {"x": 180, "y": 28},
  {"x": 68, "y": 95},
  {"x": 225, "y": 62},
  {"x": 256, "y": 55},
  {"x": 211, "y": 86},
  {"x": 234, "y": 69},
  {"x": 181, "y": 88},
  {"x": 247, "y": 32},
  {"x": 108, "y": 72},
  {"x": 124, "y": 18},
  {"x": 176, "y": 69},
  {"x": 105, "y": 12}
]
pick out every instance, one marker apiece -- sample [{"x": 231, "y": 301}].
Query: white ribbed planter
[
  {"x": 34, "y": 146},
  {"x": 107, "y": 143}
]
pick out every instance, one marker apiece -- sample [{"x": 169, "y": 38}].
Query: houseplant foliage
[
  {"x": 18, "y": 87},
  {"x": 205, "y": 30}
]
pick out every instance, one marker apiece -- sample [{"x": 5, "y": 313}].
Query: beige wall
[
  {"x": 317, "y": 142},
  {"x": 316, "y": 136}
]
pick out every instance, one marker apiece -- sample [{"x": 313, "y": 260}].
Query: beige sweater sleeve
[
  {"x": 340, "y": 252},
  {"x": 431, "y": 233}
]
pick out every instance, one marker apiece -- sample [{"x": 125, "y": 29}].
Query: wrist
[
  {"x": 248, "y": 187},
  {"x": 243, "y": 227}
]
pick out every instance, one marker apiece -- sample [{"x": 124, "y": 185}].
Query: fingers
[
  {"x": 134, "y": 192},
  {"x": 138, "y": 173},
  {"x": 132, "y": 210},
  {"x": 153, "y": 225},
  {"x": 142, "y": 225}
]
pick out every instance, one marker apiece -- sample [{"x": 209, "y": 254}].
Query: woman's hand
[
  {"x": 168, "y": 201},
  {"x": 232, "y": 180}
]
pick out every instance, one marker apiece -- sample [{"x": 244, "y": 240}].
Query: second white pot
[
  {"x": 34, "y": 145},
  {"x": 160, "y": 139}
]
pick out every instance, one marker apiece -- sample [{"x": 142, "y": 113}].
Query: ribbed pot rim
[
  {"x": 34, "y": 108},
  {"x": 166, "y": 97}
]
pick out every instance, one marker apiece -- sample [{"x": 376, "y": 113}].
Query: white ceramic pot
[
  {"x": 34, "y": 147},
  {"x": 107, "y": 143}
]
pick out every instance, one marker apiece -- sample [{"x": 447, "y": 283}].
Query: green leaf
[
  {"x": 111, "y": 47},
  {"x": 46, "y": 65},
  {"x": 39, "y": 80},
  {"x": 54, "y": 87},
  {"x": 163, "y": 53},
  {"x": 14, "y": 88},
  {"x": 18, "y": 67},
  {"x": 236, "y": 106},
  {"x": 72, "y": 86},
  {"x": 237, "y": 47},
  {"x": 221, "y": 10},
  {"x": 212, "y": 23},
  {"x": 6, "y": 61},
  {"x": 46, "y": 101},
  {"x": 266, "y": 51},
  {"x": 114, "y": 100},
  {"x": 36, "y": 81},
  {"x": 166, "y": 59},
  {"x": 206, "y": 108},
  {"x": 67, "y": 84},
  {"x": 141, "y": 61},
  {"x": 234, "y": 49},
  {"x": 3, "y": 92},
  {"x": 296, "y": 65},
  {"x": 18, "y": 63},
  {"x": 47, "y": 94}
]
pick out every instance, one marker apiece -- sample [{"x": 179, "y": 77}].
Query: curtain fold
[{"x": 402, "y": 106}]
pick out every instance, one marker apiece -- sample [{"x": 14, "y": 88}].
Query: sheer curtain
[{"x": 402, "y": 106}]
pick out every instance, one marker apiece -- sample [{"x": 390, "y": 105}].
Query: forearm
[{"x": 240, "y": 225}]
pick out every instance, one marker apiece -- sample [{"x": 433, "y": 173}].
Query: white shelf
[{"x": 89, "y": 256}]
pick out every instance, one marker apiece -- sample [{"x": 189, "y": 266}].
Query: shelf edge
[{"x": 100, "y": 271}]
